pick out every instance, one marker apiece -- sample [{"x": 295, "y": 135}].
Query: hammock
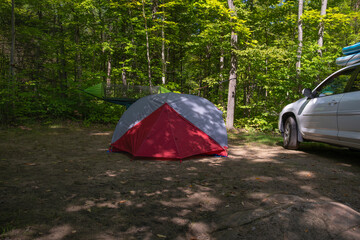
[{"x": 123, "y": 94}]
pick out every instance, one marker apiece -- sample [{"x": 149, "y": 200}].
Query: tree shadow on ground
[{"x": 61, "y": 184}]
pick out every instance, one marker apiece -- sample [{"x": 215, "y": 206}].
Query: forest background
[{"x": 50, "y": 49}]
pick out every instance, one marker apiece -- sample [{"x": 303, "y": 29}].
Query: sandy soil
[{"x": 60, "y": 183}]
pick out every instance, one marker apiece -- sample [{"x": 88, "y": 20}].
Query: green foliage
[
  {"x": 255, "y": 137},
  {"x": 64, "y": 46},
  {"x": 260, "y": 123},
  {"x": 100, "y": 112}
]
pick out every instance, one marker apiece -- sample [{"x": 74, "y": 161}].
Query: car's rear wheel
[{"x": 290, "y": 134}]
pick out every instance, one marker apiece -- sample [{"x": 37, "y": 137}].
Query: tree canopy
[{"x": 60, "y": 46}]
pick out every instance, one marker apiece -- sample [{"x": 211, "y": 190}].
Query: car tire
[{"x": 290, "y": 135}]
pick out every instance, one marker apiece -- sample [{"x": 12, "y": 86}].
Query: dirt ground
[{"x": 59, "y": 182}]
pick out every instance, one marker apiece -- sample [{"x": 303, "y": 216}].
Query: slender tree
[
  {"x": 12, "y": 49},
  {"x": 300, "y": 37},
  {"x": 221, "y": 86},
  {"x": 321, "y": 26},
  {"x": 109, "y": 66},
  {"x": 163, "y": 60},
  {"x": 233, "y": 74},
  {"x": 108, "y": 71},
  {"x": 123, "y": 75},
  {"x": 147, "y": 44}
]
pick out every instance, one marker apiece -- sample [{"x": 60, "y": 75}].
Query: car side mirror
[{"x": 307, "y": 92}]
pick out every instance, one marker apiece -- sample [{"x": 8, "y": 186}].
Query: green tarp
[{"x": 123, "y": 94}]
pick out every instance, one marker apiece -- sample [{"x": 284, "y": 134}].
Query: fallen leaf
[{"x": 161, "y": 236}]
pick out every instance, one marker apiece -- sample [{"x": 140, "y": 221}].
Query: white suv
[{"x": 330, "y": 113}]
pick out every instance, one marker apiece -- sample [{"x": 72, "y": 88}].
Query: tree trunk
[
  {"x": 356, "y": 5},
  {"x": 108, "y": 72},
  {"x": 163, "y": 60},
  {"x": 181, "y": 66},
  {"x": 300, "y": 38},
  {"x": 132, "y": 63},
  {"x": 221, "y": 86},
  {"x": 77, "y": 63},
  {"x": 200, "y": 78},
  {"x": 321, "y": 27},
  {"x": 108, "y": 65},
  {"x": 233, "y": 74},
  {"x": 12, "y": 50},
  {"x": 62, "y": 70},
  {"x": 155, "y": 5},
  {"x": 9, "y": 106},
  {"x": 147, "y": 44}
]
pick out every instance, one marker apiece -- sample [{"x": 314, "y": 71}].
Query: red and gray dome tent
[{"x": 171, "y": 126}]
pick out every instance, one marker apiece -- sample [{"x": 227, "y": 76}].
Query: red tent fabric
[
  {"x": 157, "y": 130},
  {"x": 166, "y": 134}
]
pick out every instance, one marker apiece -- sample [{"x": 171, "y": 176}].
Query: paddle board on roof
[
  {"x": 348, "y": 60},
  {"x": 351, "y": 49}
]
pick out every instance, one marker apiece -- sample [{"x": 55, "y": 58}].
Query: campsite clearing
[{"x": 58, "y": 182}]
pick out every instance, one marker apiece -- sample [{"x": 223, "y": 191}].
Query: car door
[
  {"x": 318, "y": 118},
  {"x": 349, "y": 115}
]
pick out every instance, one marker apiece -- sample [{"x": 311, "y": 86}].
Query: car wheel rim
[{"x": 287, "y": 134}]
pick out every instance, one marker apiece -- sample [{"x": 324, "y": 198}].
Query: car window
[
  {"x": 336, "y": 84},
  {"x": 356, "y": 84}
]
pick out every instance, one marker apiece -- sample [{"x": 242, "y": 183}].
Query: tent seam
[
  {"x": 214, "y": 141},
  {"x": 172, "y": 131},
  {"x": 147, "y": 134}
]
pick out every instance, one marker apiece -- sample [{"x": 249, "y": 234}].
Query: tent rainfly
[{"x": 171, "y": 126}]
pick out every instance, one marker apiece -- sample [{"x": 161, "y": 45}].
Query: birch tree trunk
[
  {"x": 300, "y": 38},
  {"x": 321, "y": 26},
  {"x": 108, "y": 39},
  {"x": 123, "y": 75},
  {"x": 163, "y": 60},
  {"x": 108, "y": 72},
  {"x": 147, "y": 44},
  {"x": 221, "y": 87},
  {"x": 233, "y": 74}
]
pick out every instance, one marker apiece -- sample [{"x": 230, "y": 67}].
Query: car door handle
[{"x": 333, "y": 102}]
